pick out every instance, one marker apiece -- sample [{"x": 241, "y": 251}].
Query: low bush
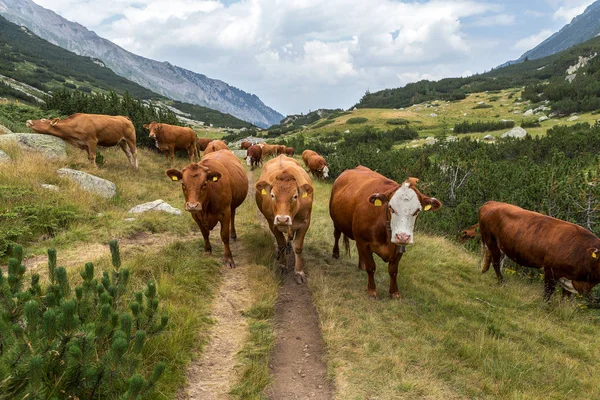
[
  {"x": 482, "y": 106},
  {"x": 357, "y": 120},
  {"x": 530, "y": 123},
  {"x": 482, "y": 126},
  {"x": 398, "y": 121}
]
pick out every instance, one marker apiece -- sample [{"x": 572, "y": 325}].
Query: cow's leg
[
  {"x": 124, "y": 146},
  {"x": 281, "y": 247},
  {"x": 367, "y": 259},
  {"x": 91, "y": 149},
  {"x": 172, "y": 154},
  {"x": 393, "y": 271},
  {"x": 233, "y": 233},
  {"x": 133, "y": 152},
  {"x": 298, "y": 245},
  {"x": 225, "y": 224},
  {"x": 486, "y": 258},
  {"x": 205, "y": 235},
  {"x": 336, "y": 242},
  {"x": 549, "y": 284},
  {"x": 496, "y": 257}
]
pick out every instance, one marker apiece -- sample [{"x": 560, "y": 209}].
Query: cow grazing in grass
[
  {"x": 202, "y": 143},
  {"x": 289, "y": 151},
  {"x": 245, "y": 145},
  {"x": 254, "y": 156},
  {"x": 213, "y": 189},
  {"x": 470, "y": 233},
  {"x": 568, "y": 253},
  {"x": 169, "y": 138},
  {"x": 87, "y": 131},
  {"x": 284, "y": 195},
  {"x": 315, "y": 164},
  {"x": 269, "y": 150},
  {"x": 215, "y": 145},
  {"x": 380, "y": 215}
]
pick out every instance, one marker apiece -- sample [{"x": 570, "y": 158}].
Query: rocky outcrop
[
  {"x": 49, "y": 146},
  {"x": 90, "y": 183},
  {"x": 516, "y": 132},
  {"x": 156, "y": 205}
]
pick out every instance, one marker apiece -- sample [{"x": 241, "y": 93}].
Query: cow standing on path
[
  {"x": 284, "y": 195},
  {"x": 169, "y": 138},
  {"x": 87, "y": 131},
  {"x": 253, "y": 156},
  {"x": 380, "y": 215},
  {"x": 568, "y": 253},
  {"x": 213, "y": 189}
]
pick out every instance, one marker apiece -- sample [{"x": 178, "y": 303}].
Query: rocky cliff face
[{"x": 161, "y": 77}]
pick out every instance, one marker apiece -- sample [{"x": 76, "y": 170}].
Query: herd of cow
[{"x": 374, "y": 211}]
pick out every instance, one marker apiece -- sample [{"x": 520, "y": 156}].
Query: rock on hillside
[
  {"x": 90, "y": 183},
  {"x": 4, "y": 130},
  {"x": 161, "y": 77},
  {"x": 4, "y": 157},
  {"x": 516, "y": 132},
  {"x": 49, "y": 146},
  {"x": 156, "y": 205}
]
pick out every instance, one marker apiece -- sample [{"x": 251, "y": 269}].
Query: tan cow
[
  {"x": 269, "y": 150},
  {"x": 87, "y": 131},
  {"x": 203, "y": 142},
  {"x": 245, "y": 145},
  {"x": 169, "y": 138},
  {"x": 215, "y": 145},
  {"x": 284, "y": 195},
  {"x": 316, "y": 164},
  {"x": 213, "y": 189}
]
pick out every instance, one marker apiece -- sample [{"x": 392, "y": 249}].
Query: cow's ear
[
  {"x": 306, "y": 190},
  {"x": 213, "y": 176},
  {"x": 146, "y": 126},
  {"x": 174, "y": 174},
  {"x": 594, "y": 253},
  {"x": 54, "y": 121},
  {"x": 378, "y": 199},
  {"x": 430, "y": 204},
  {"x": 262, "y": 187}
]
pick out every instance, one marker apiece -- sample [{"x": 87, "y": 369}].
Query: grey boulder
[
  {"x": 156, "y": 205},
  {"x": 516, "y": 132},
  {"x": 90, "y": 183},
  {"x": 49, "y": 146}
]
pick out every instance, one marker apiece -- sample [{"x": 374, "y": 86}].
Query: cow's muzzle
[
  {"x": 29, "y": 123},
  {"x": 402, "y": 238},
  {"x": 193, "y": 207},
  {"x": 282, "y": 222}
]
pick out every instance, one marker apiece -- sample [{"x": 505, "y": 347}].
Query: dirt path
[{"x": 298, "y": 367}]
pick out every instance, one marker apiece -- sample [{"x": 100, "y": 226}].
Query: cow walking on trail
[
  {"x": 380, "y": 215},
  {"x": 253, "y": 156},
  {"x": 215, "y": 145},
  {"x": 169, "y": 138},
  {"x": 568, "y": 253},
  {"x": 269, "y": 150},
  {"x": 315, "y": 163},
  {"x": 284, "y": 195},
  {"x": 202, "y": 143},
  {"x": 88, "y": 131},
  {"x": 213, "y": 189},
  {"x": 470, "y": 233}
]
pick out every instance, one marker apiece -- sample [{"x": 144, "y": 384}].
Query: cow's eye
[
  {"x": 295, "y": 197},
  {"x": 272, "y": 196}
]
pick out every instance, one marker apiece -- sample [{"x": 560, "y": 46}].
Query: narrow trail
[{"x": 298, "y": 367}]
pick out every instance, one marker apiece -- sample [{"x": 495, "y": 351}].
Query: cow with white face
[{"x": 380, "y": 215}]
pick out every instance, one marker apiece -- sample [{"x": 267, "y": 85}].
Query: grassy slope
[{"x": 455, "y": 334}]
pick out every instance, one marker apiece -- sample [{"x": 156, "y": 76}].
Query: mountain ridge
[{"x": 161, "y": 77}]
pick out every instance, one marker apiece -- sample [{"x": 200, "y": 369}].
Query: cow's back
[
  {"x": 215, "y": 145},
  {"x": 307, "y": 154},
  {"x": 229, "y": 166},
  {"x": 180, "y": 136},
  {"x": 108, "y": 130}
]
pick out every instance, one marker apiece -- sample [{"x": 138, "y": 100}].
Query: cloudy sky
[{"x": 298, "y": 55}]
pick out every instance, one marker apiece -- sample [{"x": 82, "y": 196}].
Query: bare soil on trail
[{"x": 298, "y": 366}]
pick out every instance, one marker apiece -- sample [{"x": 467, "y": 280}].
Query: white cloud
[
  {"x": 530, "y": 42},
  {"x": 495, "y": 20},
  {"x": 571, "y": 9}
]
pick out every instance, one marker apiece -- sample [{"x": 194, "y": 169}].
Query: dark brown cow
[
  {"x": 284, "y": 195},
  {"x": 169, "y": 138},
  {"x": 289, "y": 151},
  {"x": 380, "y": 215},
  {"x": 203, "y": 142},
  {"x": 215, "y": 145},
  {"x": 253, "y": 156},
  {"x": 245, "y": 145},
  {"x": 469, "y": 233},
  {"x": 87, "y": 131},
  {"x": 315, "y": 163},
  {"x": 568, "y": 253},
  {"x": 213, "y": 189}
]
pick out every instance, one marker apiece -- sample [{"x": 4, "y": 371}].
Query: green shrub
[
  {"x": 482, "y": 106},
  {"x": 357, "y": 120},
  {"x": 85, "y": 342},
  {"x": 530, "y": 123},
  {"x": 482, "y": 126},
  {"x": 398, "y": 121},
  {"x": 323, "y": 123}
]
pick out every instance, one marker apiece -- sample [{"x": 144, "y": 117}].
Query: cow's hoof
[
  {"x": 207, "y": 252},
  {"x": 283, "y": 269},
  {"x": 300, "y": 278},
  {"x": 234, "y": 238},
  {"x": 372, "y": 294},
  {"x": 335, "y": 255},
  {"x": 230, "y": 263},
  {"x": 396, "y": 296}
]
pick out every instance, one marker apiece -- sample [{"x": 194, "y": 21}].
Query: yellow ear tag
[
  {"x": 427, "y": 207},
  {"x": 304, "y": 194},
  {"x": 594, "y": 255},
  {"x": 264, "y": 191},
  {"x": 174, "y": 178},
  {"x": 377, "y": 203},
  {"x": 215, "y": 179}
]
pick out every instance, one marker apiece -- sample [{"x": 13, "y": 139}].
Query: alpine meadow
[{"x": 434, "y": 238}]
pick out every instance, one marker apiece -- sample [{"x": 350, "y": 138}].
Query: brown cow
[
  {"x": 280, "y": 149},
  {"x": 169, "y": 138},
  {"x": 215, "y": 145},
  {"x": 289, "y": 151},
  {"x": 203, "y": 142},
  {"x": 469, "y": 233},
  {"x": 254, "y": 156},
  {"x": 87, "y": 131},
  {"x": 269, "y": 150},
  {"x": 284, "y": 195},
  {"x": 315, "y": 163},
  {"x": 568, "y": 253},
  {"x": 245, "y": 145},
  {"x": 380, "y": 215},
  {"x": 213, "y": 189}
]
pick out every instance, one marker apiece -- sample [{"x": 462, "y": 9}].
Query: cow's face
[
  {"x": 284, "y": 195},
  {"x": 42, "y": 125},
  {"x": 404, "y": 205},
  {"x": 196, "y": 183},
  {"x": 154, "y": 128}
]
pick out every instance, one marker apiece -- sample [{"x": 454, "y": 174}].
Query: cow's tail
[
  {"x": 486, "y": 258},
  {"x": 347, "y": 246}
]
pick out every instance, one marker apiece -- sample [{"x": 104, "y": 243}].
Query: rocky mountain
[
  {"x": 582, "y": 28},
  {"x": 161, "y": 77}
]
